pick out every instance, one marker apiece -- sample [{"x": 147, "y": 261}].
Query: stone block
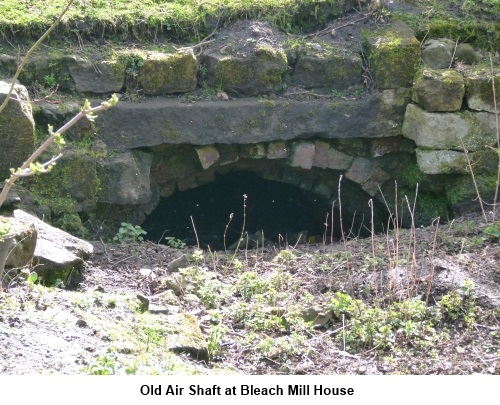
[
  {"x": 165, "y": 73},
  {"x": 208, "y": 155},
  {"x": 125, "y": 179},
  {"x": 259, "y": 72},
  {"x": 277, "y": 150},
  {"x": 326, "y": 157},
  {"x": 253, "y": 151},
  {"x": 360, "y": 170},
  {"x": 302, "y": 155},
  {"x": 17, "y": 128},
  {"x": 465, "y": 53},
  {"x": 98, "y": 78},
  {"x": 228, "y": 154},
  {"x": 479, "y": 90},
  {"x": 393, "y": 54},
  {"x": 439, "y": 90},
  {"x": 441, "y": 161},
  {"x": 438, "y": 53},
  {"x": 327, "y": 66},
  {"x": 448, "y": 131}
]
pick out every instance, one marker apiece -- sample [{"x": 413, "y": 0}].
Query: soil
[{"x": 49, "y": 330}]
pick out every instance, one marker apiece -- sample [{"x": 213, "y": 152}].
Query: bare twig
[{"x": 26, "y": 170}]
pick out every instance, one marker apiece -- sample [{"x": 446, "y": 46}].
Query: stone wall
[{"x": 301, "y": 112}]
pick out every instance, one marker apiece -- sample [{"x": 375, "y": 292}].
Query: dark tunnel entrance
[{"x": 282, "y": 211}]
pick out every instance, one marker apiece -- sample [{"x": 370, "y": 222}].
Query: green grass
[{"x": 183, "y": 19}]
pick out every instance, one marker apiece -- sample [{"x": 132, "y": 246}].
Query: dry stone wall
[{"x": 303, "y": 112}]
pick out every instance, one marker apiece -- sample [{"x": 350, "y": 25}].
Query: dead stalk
[{"x": 471, "y": 170}]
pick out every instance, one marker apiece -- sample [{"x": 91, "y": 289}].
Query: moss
[
  {"x": 462, "y": 188},
  {"x": 56, "y": 276},
  {"x": 170, "y": 134},
  {"x": 393, "y": 55},
  {"x": 480, "y": 34},
  {"x": 168, "y": 73},
  {"x": 412, "y": 175},
  {"x": 72, "y": 186},
  {"x": 429, "y": 206}
]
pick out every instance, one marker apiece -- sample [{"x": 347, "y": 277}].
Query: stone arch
[{"x": 177, "y": 171}]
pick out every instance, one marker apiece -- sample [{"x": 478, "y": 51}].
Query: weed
[
  {"x": 104, "y": 365},
  {"x": 133, "y": 64},
  {"x": 492, "y": 233},
  {"x": 129, "y": 233},
  {"x": 216, "y": 336},
  {"x": 251, "y": 284},
  {"x": 49, "y": 81},
  {"x": 175, "y": 243}
]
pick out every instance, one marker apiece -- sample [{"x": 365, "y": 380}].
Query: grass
[{"x": 186, "y": 19}]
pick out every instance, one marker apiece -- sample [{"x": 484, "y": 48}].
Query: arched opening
[{"x": 242, "y": 201}]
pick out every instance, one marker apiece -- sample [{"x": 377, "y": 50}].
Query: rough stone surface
[
  {"x": 251, "y": 65},
  {"x": 374, "y": 183},
  {"x": 208, "y": 156},
  {"x": 125, "y": 179},
  {"x": 302, "y": 155},
  {"x": 98, "y": 78},
  {"x": 228, "y": 154},
  {"x": 438, "y": 53},
  {"x": 56, "y": 66},
  {"x": 59, "y": 255},
  {"x": 393, "y": 54},
  {"x": 168, "y": 73},
  {"x": 479, "y": 91},
  {"x": 327, "y": 66},
  {"x": 447, "y": 131},
  {"x": 360, "y": 170},
  {"x": 277, "y": 150},
  {"x": 326, "y": 157},
  {"x": 17, "y": 128},
  {"x": 168, "y": 121},
  {"x": 25, "y": 237},
  {"x": 258, "y": 74},
  {"x": 441, "y": 161},
  {"x": 255, "y": 151},
  {"x": 439, "y": 90},
  {"x": 383, "y": 146},
  {"x": 465, "y": 53}
]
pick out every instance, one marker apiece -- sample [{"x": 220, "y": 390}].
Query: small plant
[
  {"x": 129, "y": 233},
  {"x": 175, "y": 243},
  {"x": 492, "y": 233},
  {"x": 49, "y": 81},
  {"x": 336, "y": 93},
  {"x": 133, "y": 65},
  {"x": 4, "y": 230},
  {"x": 216, "y": 336},
  {"x": 103, "y": 366}
]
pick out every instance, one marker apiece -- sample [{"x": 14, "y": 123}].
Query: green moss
[
  {"x": 412, "y": 175},
  {"x": 428, "y": 207},
  {"x": 56, "y": 277},
  {"x": 170, "y": 134},
  {"x": 168, "y": 73},
  {"x": 73, "y": 184},
  {"x": 462, "y": 188},
  {"x": 393, "y": 55}
]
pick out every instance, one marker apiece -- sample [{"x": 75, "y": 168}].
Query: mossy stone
[
  {"x": 393, "y": 54},
  {"x": 258, "y": 73},
  {"x": 324, "y": 65},
  {"x": 439, "y": 90},
  {"x": 168, "y": 73},
  {"x": 479, "y": 90}
]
